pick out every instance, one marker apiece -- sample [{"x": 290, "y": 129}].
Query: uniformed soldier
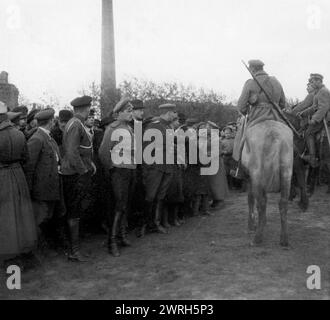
[
  {"x": 42, "y": 170},
  {"x": 77, "y": 168},
  {"x": 319, "y": 111},
  {"x": 57, "y": 131},
  {"x": 119, "y": 160},
  {"x": 254, "y": 102},
  {"x": 308, "y": 101},
  {"x": 32, "y": 124},
  {"x": 157, "y": 177},
  {"x": 137, "y": 208},
  {"x": 138, "y": 110},
  {"x": 14, "y": 118},
  {"x": 175, "y": 198},
  {"x": 21, "y": 122}
]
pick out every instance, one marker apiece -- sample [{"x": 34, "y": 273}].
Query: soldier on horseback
[{"x": 317, "y": 112}]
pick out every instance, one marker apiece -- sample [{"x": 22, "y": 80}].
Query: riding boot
[
  {"x": 311, "y": 158},
  {"x": 75, "y": 255},
  {"x": 113, "y": 246},
  {"x": 217, "y": 205},
  {"x": 63, "y": 240},
  {"x": 164, "y": 218},
  {"x": 145, "y": 220},
  {"x": 176, "y": 222},
  {"x": 123, "y": 234},
  {"x": 196, "y": 205},
  {"x": 158, "y": 216}
]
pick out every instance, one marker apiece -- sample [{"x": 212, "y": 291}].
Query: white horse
[{"x": 268, "y": 158}]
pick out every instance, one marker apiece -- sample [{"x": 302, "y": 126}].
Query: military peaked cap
[
  {"x": 46, "y": 114},
  {"x": 22, "y": 109},
  {"x": 256, "y": 63},
  {"x": 122, "y": 104},
  {"x": 12, "y": 116},
  {"x": 317, "y": 76},
  {"x": 81, "y": 102},
  {"x": 137, "y": 104},
  {"x": 32, "y": 114},
  {"x": 167, "y": 107},
  {"x": 65, "y": 115}
]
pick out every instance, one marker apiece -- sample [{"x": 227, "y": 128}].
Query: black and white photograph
[{"x": 164, "y": 150}]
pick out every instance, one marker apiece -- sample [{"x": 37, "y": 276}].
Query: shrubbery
[{"x": 193, "y": 102}]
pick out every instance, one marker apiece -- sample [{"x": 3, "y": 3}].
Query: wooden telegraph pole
[{"x": 108, "y": 82}]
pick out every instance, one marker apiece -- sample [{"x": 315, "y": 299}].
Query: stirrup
[{"x": 237, "y": 173}]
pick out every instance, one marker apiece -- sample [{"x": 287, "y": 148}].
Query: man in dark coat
[
  {"x": 158, "y": 177},
  {"x": 17, "y": 223},
  {"x": 42, "y": 169},
  {"x": 119, "y": 160},
  {"x": 77, "y": 169}
]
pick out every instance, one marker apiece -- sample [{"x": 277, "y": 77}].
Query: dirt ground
[{"x": 207, "y": 258}]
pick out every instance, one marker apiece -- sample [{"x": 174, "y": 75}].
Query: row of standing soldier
[{"x": 59, "y": 170}]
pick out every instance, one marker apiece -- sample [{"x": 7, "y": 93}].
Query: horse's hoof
[
  {"x": 286, "y": 247},
  {"x": 285, "y": 244},
  {"x": 252, "y": 229},
  {"x": 257, "y": 241}
]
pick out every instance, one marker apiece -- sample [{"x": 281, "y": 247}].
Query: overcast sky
[{"x": 55, "y": 45}]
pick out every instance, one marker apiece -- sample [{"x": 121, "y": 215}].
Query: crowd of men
[
  {"x": 49, "y": 170},
  {"x": 51, "y": 167}
]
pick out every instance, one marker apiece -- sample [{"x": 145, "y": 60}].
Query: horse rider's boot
[
  {"x": 164, "y": 218},
  {"x": 158, "y": 216},
  {"x": 145, "y": 220},
  {"x": 311, "y": 158},
  {"x": 238, "y": 172},
  {"x": 196, "y": 205},
  {"x": 75, "y": 255},
  {"x": 113, "y": 245}
]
